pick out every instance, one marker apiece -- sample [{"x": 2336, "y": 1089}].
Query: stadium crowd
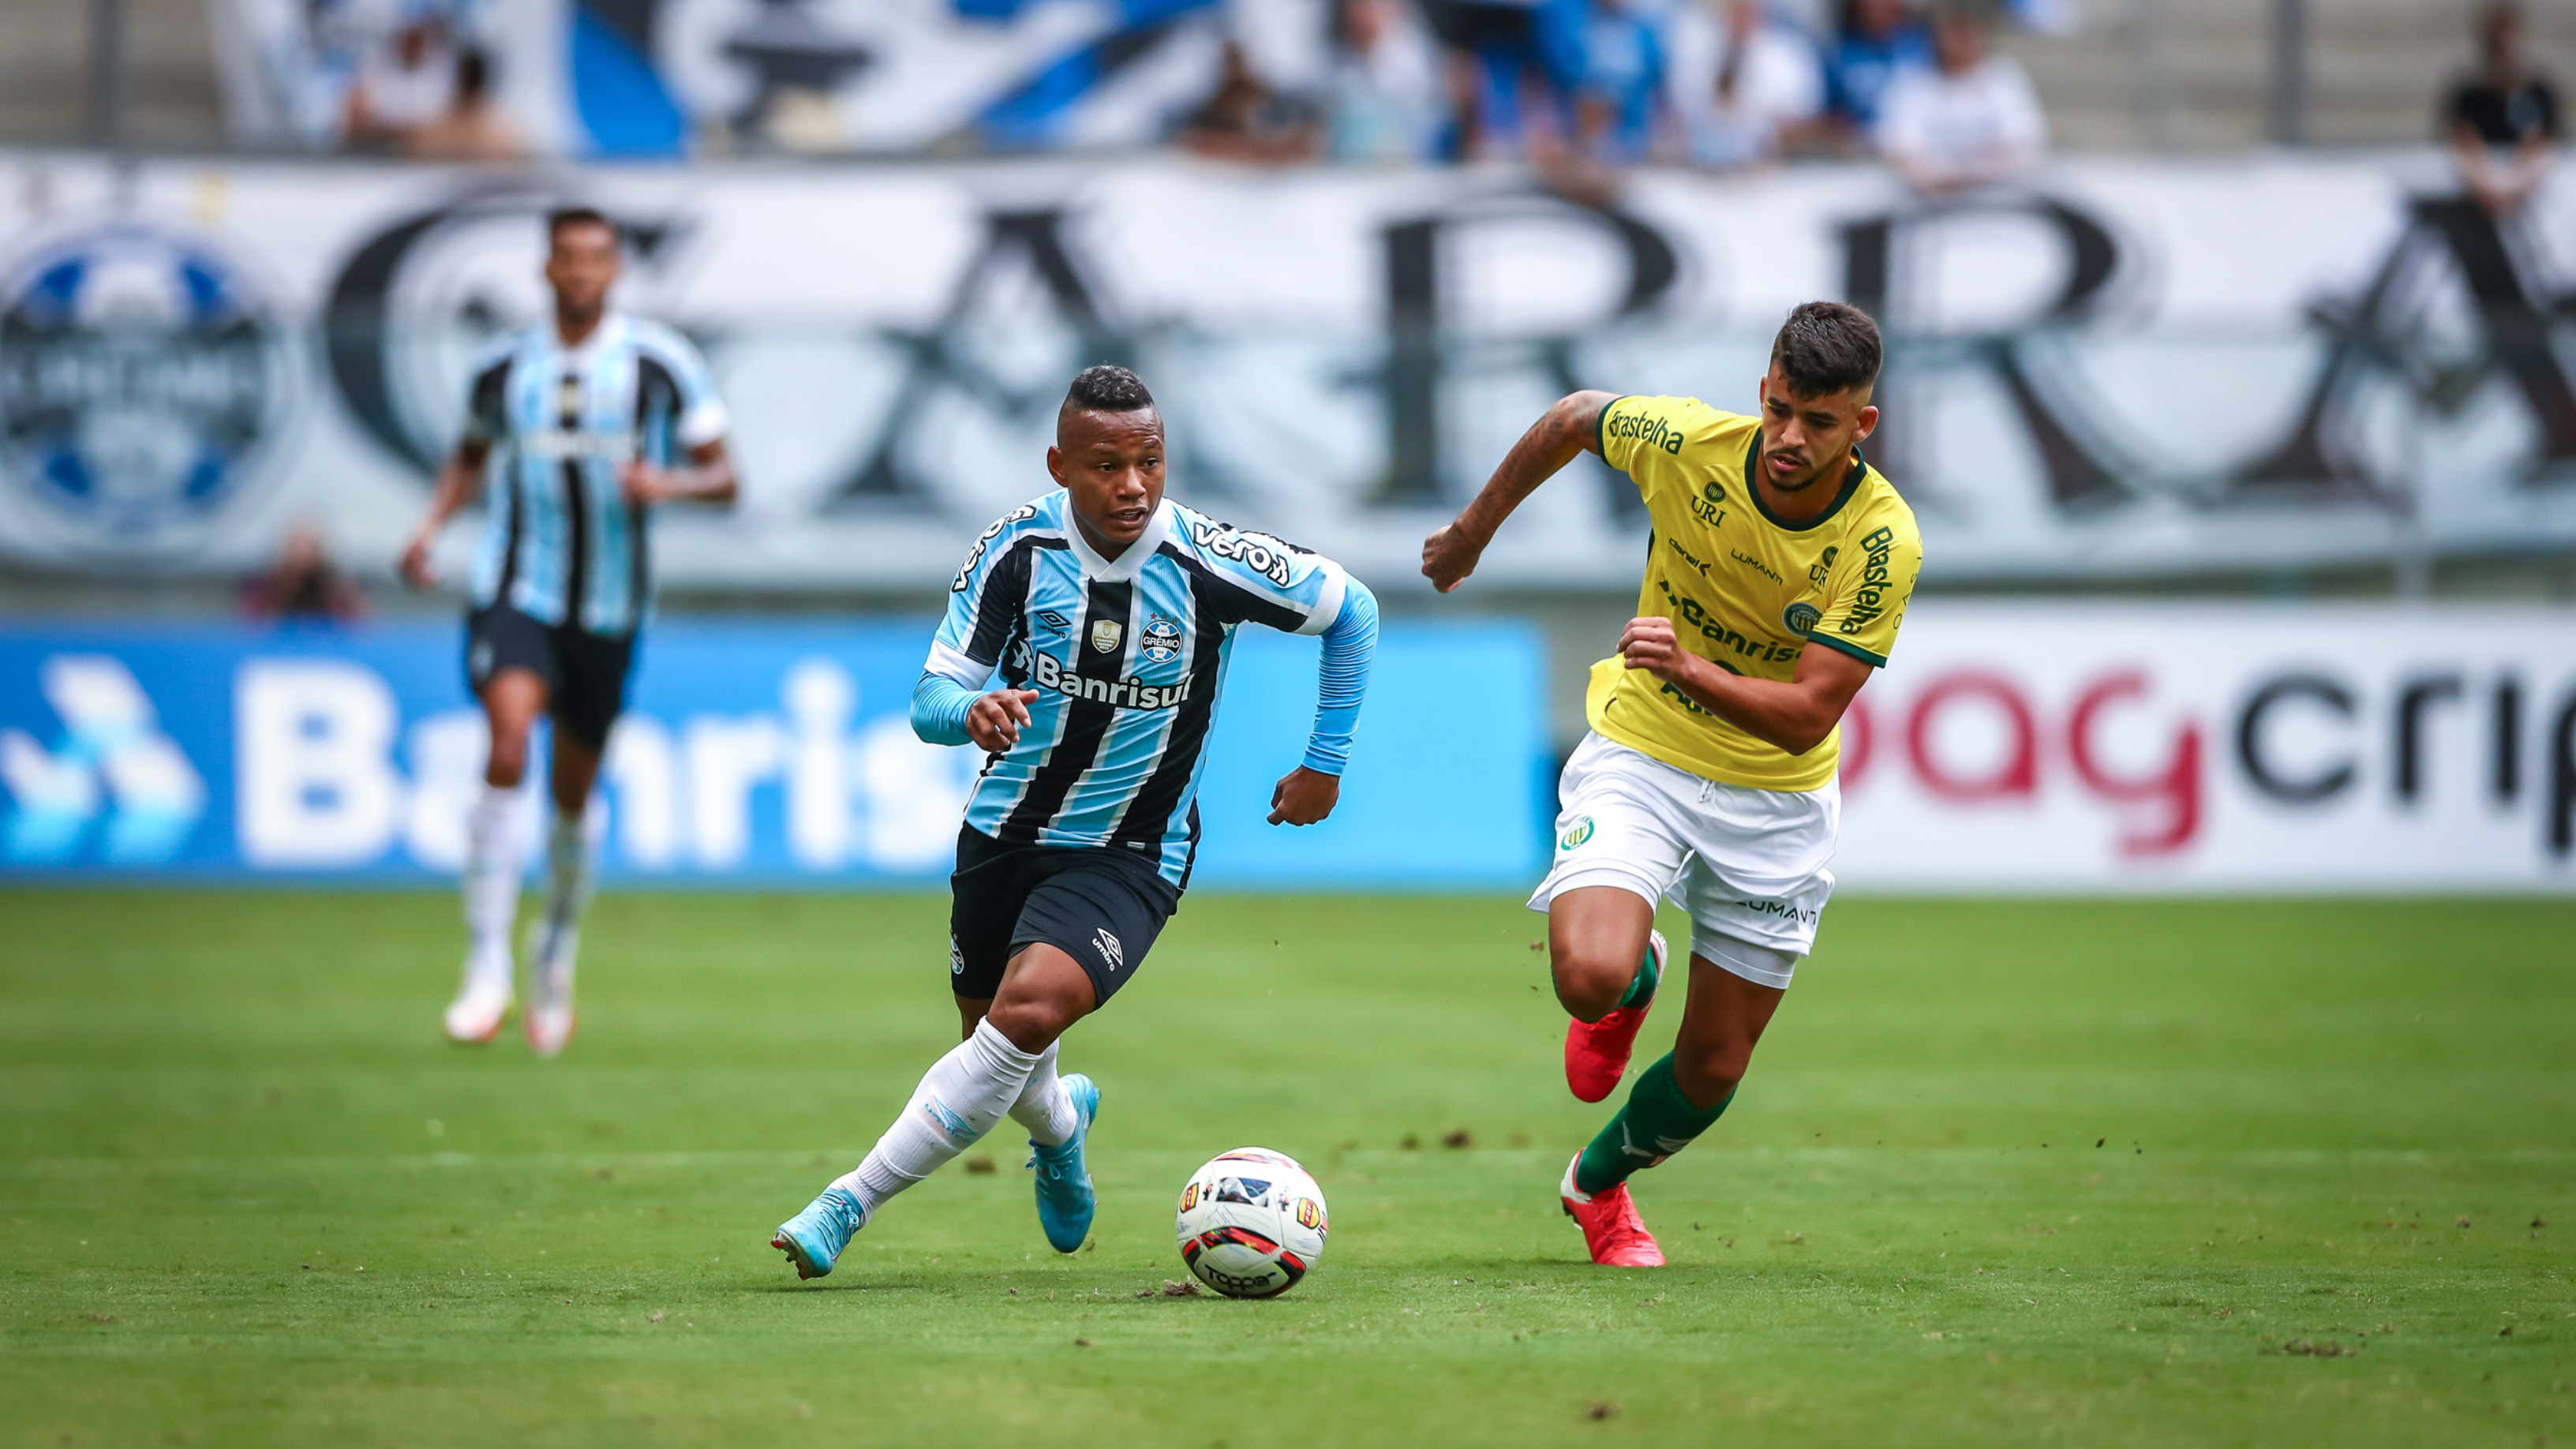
[
  {"x": 1605, "y": 84},
  {"x": 1578, "y": 89},
  {"x": 1718, "y": 84}
]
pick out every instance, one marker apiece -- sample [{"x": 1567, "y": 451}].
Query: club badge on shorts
[{"x": 1575, "y": 834}]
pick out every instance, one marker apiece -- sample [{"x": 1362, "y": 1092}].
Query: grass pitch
[{"x": 2091, "y": 1172}]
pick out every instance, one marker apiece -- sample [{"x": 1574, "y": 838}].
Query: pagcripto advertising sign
[{"x": 2218, "y": 747}]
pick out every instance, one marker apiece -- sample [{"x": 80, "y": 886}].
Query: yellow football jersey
[{"x": 1743, "y": 588}]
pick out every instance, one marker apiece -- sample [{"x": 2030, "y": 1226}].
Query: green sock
[
  {"x": 1657, "y": 1122},
  {"x": 1642, "y": 987}
]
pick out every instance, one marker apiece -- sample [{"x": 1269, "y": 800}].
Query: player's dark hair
[
  {"x": 1107, "y": 388},
  {"x": 564, "y": 216},
  {"x": 1826, "y": 347}
]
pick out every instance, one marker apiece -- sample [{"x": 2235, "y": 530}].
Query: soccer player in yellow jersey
[{"x": 1778, "y": 572}]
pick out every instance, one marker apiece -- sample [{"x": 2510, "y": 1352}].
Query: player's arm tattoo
[{"x": 1570, "y": 427}]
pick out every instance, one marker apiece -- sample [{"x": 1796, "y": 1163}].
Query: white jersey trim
[
  {"x": 956, "y": 664},
  {"x": 1328, "y": 608}
]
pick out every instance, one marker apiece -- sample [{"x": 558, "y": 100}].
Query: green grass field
[{"x": 2083, "y": 1172}]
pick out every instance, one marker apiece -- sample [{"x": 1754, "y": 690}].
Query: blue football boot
[
  {"x": 1065, "y": 1201},
  {"x": 814, "y": 1238}
]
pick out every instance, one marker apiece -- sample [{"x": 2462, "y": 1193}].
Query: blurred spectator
[
  {"x": 1972, "y": 119},
  {"x": 1616, "y": 63},
  {"x": 1382, "y": 98},
  {"x": 1248, "y": 120},
  {"x": 1506, "y": 98},
  {"x": 1741, "y": 78},
  {"x": 473, "y": 128},
  {"x": 303, "y": 584},
  {"x": 402, "y": 86},
  {"x": 1875, "y": 42},
  {"x": 2503, "y": 121}
]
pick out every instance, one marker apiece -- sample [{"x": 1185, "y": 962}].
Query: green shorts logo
[
  {"x": 1801, "y": 617},
  {"x": 1575, "y": 834}
]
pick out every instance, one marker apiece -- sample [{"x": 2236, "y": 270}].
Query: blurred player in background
[
  {"x": 591, "y": 413},
  {"x": 1108, "y": 613},
  {"x": 1776, "y": 577}
]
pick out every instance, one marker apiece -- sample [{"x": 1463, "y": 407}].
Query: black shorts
[
  {"x": 585, "y": 673},
  {"x": 1103, "y": 907}
]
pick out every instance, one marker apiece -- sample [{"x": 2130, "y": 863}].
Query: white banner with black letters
[{"x": 2127, "y": 368}]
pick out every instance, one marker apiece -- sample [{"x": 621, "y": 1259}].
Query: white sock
[
  {"x": 1045, "y": 1107},
  {"x": 568, "y": 873},
  {"x": 958, "y": 1101},
  {"x": 491, "y": 885}
]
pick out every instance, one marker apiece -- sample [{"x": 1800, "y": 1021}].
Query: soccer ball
[{"x": 1251, "y": 1223}]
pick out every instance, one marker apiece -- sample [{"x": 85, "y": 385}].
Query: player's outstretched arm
[
  {"x": 457, "y": 480},
  {"x": 1308, "y": 793},
  {"x": 1570, "y": 427},
  {"x": 1795, "y": 714}
]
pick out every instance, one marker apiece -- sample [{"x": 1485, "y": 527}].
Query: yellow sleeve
[
  {"x": 1643, "y": 438},
  {"x": 1866, "y": 596}
]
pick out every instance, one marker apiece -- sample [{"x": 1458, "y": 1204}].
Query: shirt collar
[{"x": 1129, "y": 562}]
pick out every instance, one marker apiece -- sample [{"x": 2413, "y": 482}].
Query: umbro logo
[
  {"x": 1109, "y": 949},
  {"x": 1054, "y": 620}
]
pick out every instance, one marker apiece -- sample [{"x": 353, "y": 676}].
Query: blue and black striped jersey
[
  {"x": 563, "y": 545},
  {"x": 1128, "y": 658}
]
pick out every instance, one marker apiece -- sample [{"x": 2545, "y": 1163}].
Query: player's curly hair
[
  {"x": 1827, "y": 347},
  {"x": 1107, "y": 388}
]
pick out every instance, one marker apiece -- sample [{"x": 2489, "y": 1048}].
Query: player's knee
[
  {"x": 508, "y": 762},
  {"x": 1589, "y": 983},
  {"x": 1707, "y": 1072},
  {"x": 1030, "y": 1023}
]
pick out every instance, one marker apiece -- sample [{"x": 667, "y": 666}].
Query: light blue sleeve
[
  {"x": 939, "y": 706},
  {"x": 1341, "y": 678}
]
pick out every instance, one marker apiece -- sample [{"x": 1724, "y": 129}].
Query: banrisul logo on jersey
[{"x": 140, "y": 374}]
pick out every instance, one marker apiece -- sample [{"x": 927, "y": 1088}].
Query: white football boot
[
  {"x": 550, "y": 1017},
  {"x": 475, "y": 1016}
]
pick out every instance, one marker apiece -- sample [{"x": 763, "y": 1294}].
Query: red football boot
[
  {"x": 1596, "y": 1052},
  {"x": 1611, "y": 1227}
]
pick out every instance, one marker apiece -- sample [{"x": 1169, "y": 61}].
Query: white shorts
[{"x": 1748, "y": 865}]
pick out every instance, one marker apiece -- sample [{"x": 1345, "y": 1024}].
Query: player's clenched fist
[
  {"x": 1448, "y": 556},
  {"x": 1304, "y": 797},
  {"x": 995, "y": 721},
  {"x": 1650, "y": 644}
]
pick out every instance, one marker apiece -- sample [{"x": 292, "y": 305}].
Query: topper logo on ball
[{"x": 140, "y": 374}]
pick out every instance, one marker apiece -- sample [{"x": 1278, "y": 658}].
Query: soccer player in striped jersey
[
  {"x": 574, "y": 430},
  {"x": 1084, "y": 651}
]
